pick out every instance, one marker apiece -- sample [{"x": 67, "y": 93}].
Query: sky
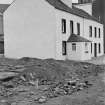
[
  {"x": 5, "y": 1},
  {"x": 9, "y": 1},
  {"x": 75, "y": 1}
]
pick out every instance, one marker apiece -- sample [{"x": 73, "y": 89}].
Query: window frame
[
  {"x": 74, "y": 46},
  {"x": 63, "y": 26},
  {"x": 99, "y": 45},
  {"x": 64, "y": 48},
  {"x": 71, "y": 26},
  {"x": 90, "y": 31},
  {"x": 95, "y": 32},
  {"x": 99, "y": 30},
  {"x": 86, "y": 47},
  {"x": 91, "y": 48},
  {"x": 78, "y": 28}
]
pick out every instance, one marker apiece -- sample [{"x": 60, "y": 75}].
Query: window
[
  {"x": 78, "y": 28},
  {"x": 64, "y": 51},
  {"x": 91, "y": 48},
  {"x": 86, "y": 47},
  {"x": 99, "y": 33},
  {"x": 63, "y": 26},
  {"x": 71, "y": 27},
  {"x": 90, "y": 31},
  {"x": 99, "y": 48},
  {"x": 73, "y": 46},
  {"x": 95, "y": 32}
]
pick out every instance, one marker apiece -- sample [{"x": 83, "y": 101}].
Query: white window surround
[{"x": 73, "y": 46}]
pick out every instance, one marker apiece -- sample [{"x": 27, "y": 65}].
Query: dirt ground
[{"x": 20, "y": 86}]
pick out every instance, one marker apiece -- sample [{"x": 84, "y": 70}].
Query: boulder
[
  {"x": 4, "y": 75},
  {"x": 42, "y": 99}
]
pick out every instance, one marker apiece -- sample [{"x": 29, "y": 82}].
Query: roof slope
[
  {"x": 77, "y": 38},
  {"x": 3, "y": 7},
  {"x": 58, "y": 4}
]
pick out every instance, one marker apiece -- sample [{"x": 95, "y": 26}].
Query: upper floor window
[
  {"x": 63, "y": 25},
  {"x": 64, "y": 50},
  {"x": 71, "y": 27},
  {"x": 95, "y": 32},
  {"x": 73, "y": 46},
  {"x": 99, "y": 32},
  {"x": 78, "y": 28},
  {"x": 90, "y": 31}
]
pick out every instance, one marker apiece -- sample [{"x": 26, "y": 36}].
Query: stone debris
[
  {"x": 42, "y": 99},
  {"x": 66, "y": 87},
  {"x": 4, "y": 75},
  {"x": 40, "y": 80},
  {"x": 4, "y": 102}
]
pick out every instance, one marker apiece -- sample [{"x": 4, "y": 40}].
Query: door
[{"x": 95, "y": 49}]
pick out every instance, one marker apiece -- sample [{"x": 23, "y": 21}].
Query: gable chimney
[{"x": 67, "y": 2}]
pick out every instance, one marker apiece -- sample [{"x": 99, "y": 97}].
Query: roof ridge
[{"x": 58, "y": 4}]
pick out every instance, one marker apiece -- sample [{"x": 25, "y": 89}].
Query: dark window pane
[
  {"x": 90, "y": 31},
  {"x": 99, "y": 48},
  {"x": 71, "y": 27},
  {"x": 73, "y": 46},
  {"x": 95, "y": 29},
  {"x": 91, "y": 48},
  {"x": 78, "y": 28},
  {"x": 64, "y": 50},
  {"x": 99, "y": 33},
  {"x": 63, "y": 26}
]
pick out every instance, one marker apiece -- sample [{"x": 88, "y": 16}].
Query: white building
[{"x": 51, "y": 29}]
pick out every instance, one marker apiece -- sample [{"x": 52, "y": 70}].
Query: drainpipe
[
  {"x": 83, "y": 31},
  {"x": 83, "y": 25}
]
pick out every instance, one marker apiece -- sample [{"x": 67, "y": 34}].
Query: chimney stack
[{"x": 67, "y": 2}]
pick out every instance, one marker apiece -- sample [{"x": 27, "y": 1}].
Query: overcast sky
[
  {"x": 75, "y": 1},
  {"x": 5, "y": 1},
  {"x": 9, "y": 1}
]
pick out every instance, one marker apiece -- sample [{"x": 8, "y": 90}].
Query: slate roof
[
  {"x": 3, "y": 7},
  {"x": 58, "y": 4},
  {"x": 77, "y": 38}
]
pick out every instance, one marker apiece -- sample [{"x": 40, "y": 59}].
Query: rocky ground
[{"x": 30, "y": 81}]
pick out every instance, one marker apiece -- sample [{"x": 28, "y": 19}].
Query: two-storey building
[{"x": 51, "y": 29}]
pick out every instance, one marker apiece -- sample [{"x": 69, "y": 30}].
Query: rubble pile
[
  {"x": 56, "y": 89},
  {"x": 37, "y": 81}
]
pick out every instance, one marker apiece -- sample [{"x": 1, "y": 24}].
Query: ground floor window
[
  {"x": 86, "y": 47},
  {"x": 99, "y": 48},
  {"x": 64, "y": 47},
  {"x": 1, "y": 47},
  {"x": 91, "y": 48},
  {"x": 73, "y": 46}
]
